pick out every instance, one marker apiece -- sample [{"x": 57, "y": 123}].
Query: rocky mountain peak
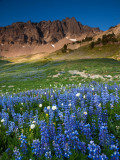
[{"x": 44, "y": 32}]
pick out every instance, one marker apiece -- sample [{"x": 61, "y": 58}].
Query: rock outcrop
[{"x": 44, "y": 32}]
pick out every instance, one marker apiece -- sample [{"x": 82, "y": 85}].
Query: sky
[{"x": 94, "y": 13}]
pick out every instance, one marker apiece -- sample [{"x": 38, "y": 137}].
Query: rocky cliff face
[{"x": 44, "y": 32}]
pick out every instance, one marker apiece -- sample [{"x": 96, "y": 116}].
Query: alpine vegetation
[{"x": 72, "y": 122}]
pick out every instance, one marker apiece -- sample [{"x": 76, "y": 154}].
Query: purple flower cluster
[
  {"x": 57, "y": 122},
  {"x": 23, "y": 144},
  {"x": 94, "y": 150},
  {"x": 17, "y": 154}
]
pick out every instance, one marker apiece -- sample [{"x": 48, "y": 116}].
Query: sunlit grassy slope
[
  {"x": 85, "y": 52},
  {"x": 54, "y": 69},
  {"x": 42, "y": 74}
]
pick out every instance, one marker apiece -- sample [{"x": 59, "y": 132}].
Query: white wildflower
[
  {"x": 2, "y": 120},
  {"x": 40, "y": 105},
  {"x": 85, "y": 113},
  {"x": 78, "y": 94},
  {"x": 48, "y": 107},
  {"x": 70, "y": 104},
  {"x": 54, "y": 108},
  {"x": 32, "y": 126},
  {"x": 105, "y": 87},
  {"x": 99, "y": 105}
]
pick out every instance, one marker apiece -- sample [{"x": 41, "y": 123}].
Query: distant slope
[
  {"x": 103, "y": 45},
  {"x": 113, "y": 29},
  {"x": 85, "y": 52}
]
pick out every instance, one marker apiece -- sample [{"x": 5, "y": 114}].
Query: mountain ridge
[{"x": 26, "y": 37}]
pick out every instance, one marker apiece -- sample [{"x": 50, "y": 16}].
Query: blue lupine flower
[
  {"x": 117, "y": 116},
  {"x": 103, "y": 157},
  {"x": 36, "y": 148},
  {"x": 44, "y": 137},
  {"x": 67, "y": 150},
  {"x": 48, "y": 154},
  {"x": 82, "y": 146},
  {"x": 20, "y": 120},
  {"x": 57, "y": 149},
  {"x": 103, "y": 135},
  {"x": 94, "y": 150},
  {"x": 17, "y": 154},
  {"x": 104, "y": 116},
  {"x": 87, "y": 131},
  {"x": 93, "y": 126},
  {"x": 11, "y": 126},
  {"x": 114, "y": 147},
  {"x": 23, "y": 144},
  {"x": 115, "y": 156}
]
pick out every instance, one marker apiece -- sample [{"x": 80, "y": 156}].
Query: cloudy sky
[{"x": 94, "y": 13}]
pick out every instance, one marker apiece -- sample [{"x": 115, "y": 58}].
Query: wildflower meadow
[{"x": 72, "y": 122}]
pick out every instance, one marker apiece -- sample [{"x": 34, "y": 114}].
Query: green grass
[
  {"x": 16, "y": 77},
  {"x": 3, "y": 62},
  {"x": 24, "y": 76},
  {"x": 85, "y": 52}
]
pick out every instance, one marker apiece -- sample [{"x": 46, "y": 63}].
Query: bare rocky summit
[{"x": 21, "y": 34}]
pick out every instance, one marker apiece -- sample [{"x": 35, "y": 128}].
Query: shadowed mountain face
[{"x": 45, "y": 32}]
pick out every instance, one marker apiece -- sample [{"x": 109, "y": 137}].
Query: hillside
[
  {"x": 112, "y": 29},
  {"x": 103, "y": 45}
]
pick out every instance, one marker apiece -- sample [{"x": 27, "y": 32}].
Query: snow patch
[
  {"x": 53, "y": 45},
  {"x": 74, "y": 40}
]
